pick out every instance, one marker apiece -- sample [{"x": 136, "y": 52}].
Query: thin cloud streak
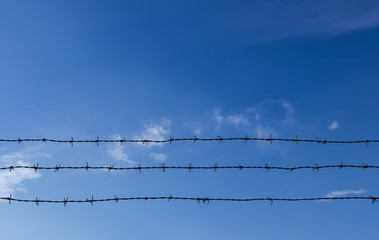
[
  {"x": 344, "y": 193},
  {"x": 267, "y": 21}
]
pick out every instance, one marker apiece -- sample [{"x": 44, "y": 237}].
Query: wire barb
[
  {"x": 110, "y": 167},
  {"x": 90, "y": 200},
  {"x": 267, "y": 168},
  {"x": 57, "y": 167},
  {"x": 35, "y": 167},
  {"x": 316, "y": 168},
  {"x": 295, "y": 140},
  {"x": 374, "y": 199},
  {"x": 9, "y": 198}
]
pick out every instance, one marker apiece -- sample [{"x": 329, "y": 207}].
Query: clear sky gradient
[{"x": 155, "y": 69}]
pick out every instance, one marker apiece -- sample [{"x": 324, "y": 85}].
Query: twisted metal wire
[
  {"x": 163, "y": 167},
  {"x": 192, "y": 139},
  {"x": 198, "y": 199}
]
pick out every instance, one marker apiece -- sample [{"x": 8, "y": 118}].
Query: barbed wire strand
[
  {"x": 116, "y": 199},
  {"x": 192, "y": 139},
  {"x": 163, "y": 167}
]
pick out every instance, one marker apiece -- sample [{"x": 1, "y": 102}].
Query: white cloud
[
  {"x": 116, "y": 151},
  {"x": 334, "y": 125},
  {"x": 263, "y": 119},
  {"x": 12, "y": 181},
  {"x": 262, "y": 131},
  {"x": 151, "y": 131},
  {"x": 236, "y": 120},
  {"x": 344, "y": 193},
  {"x": 218, "y": 117},
  {"x": 198, "y": 131},
  {"x": 258, "y": 117},
  {"x": 289, "y": 119},
  {"x": 154, "y": 131},
  {"x": 271, "y": 112},
  {"x": 160, "y": 157}
]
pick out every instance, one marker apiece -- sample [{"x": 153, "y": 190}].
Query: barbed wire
[
  {"x": 192, "y": 139},
  {"x": 198, "y": 199},
  {"x": 163, "y": 167}
]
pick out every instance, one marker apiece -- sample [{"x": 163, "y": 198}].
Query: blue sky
[{"x": 155, "y": 69}]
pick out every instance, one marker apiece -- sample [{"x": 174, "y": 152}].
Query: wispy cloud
[
  {"x": 262, "y": 119},
  {"x": 198, "y": 131},
  {"x": 277, "y": 19},
  {"x": 235, "y": 119},
  {"x": 156, "y": 131},
  {"x": 218, "y": 117},
  {"x": 345, "y": 193},
  {"x": 10, "y": 182},
  {"x": 151, "y": 131},
  {"x": 160, "y": 157},
  {"x": 263, "y": 131},
  {"x": 289, "y": 119},
  {"x": 334, "y": 125},
  {"x": 117, "y": 152},
  {"x": 28, "y": 153}
]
